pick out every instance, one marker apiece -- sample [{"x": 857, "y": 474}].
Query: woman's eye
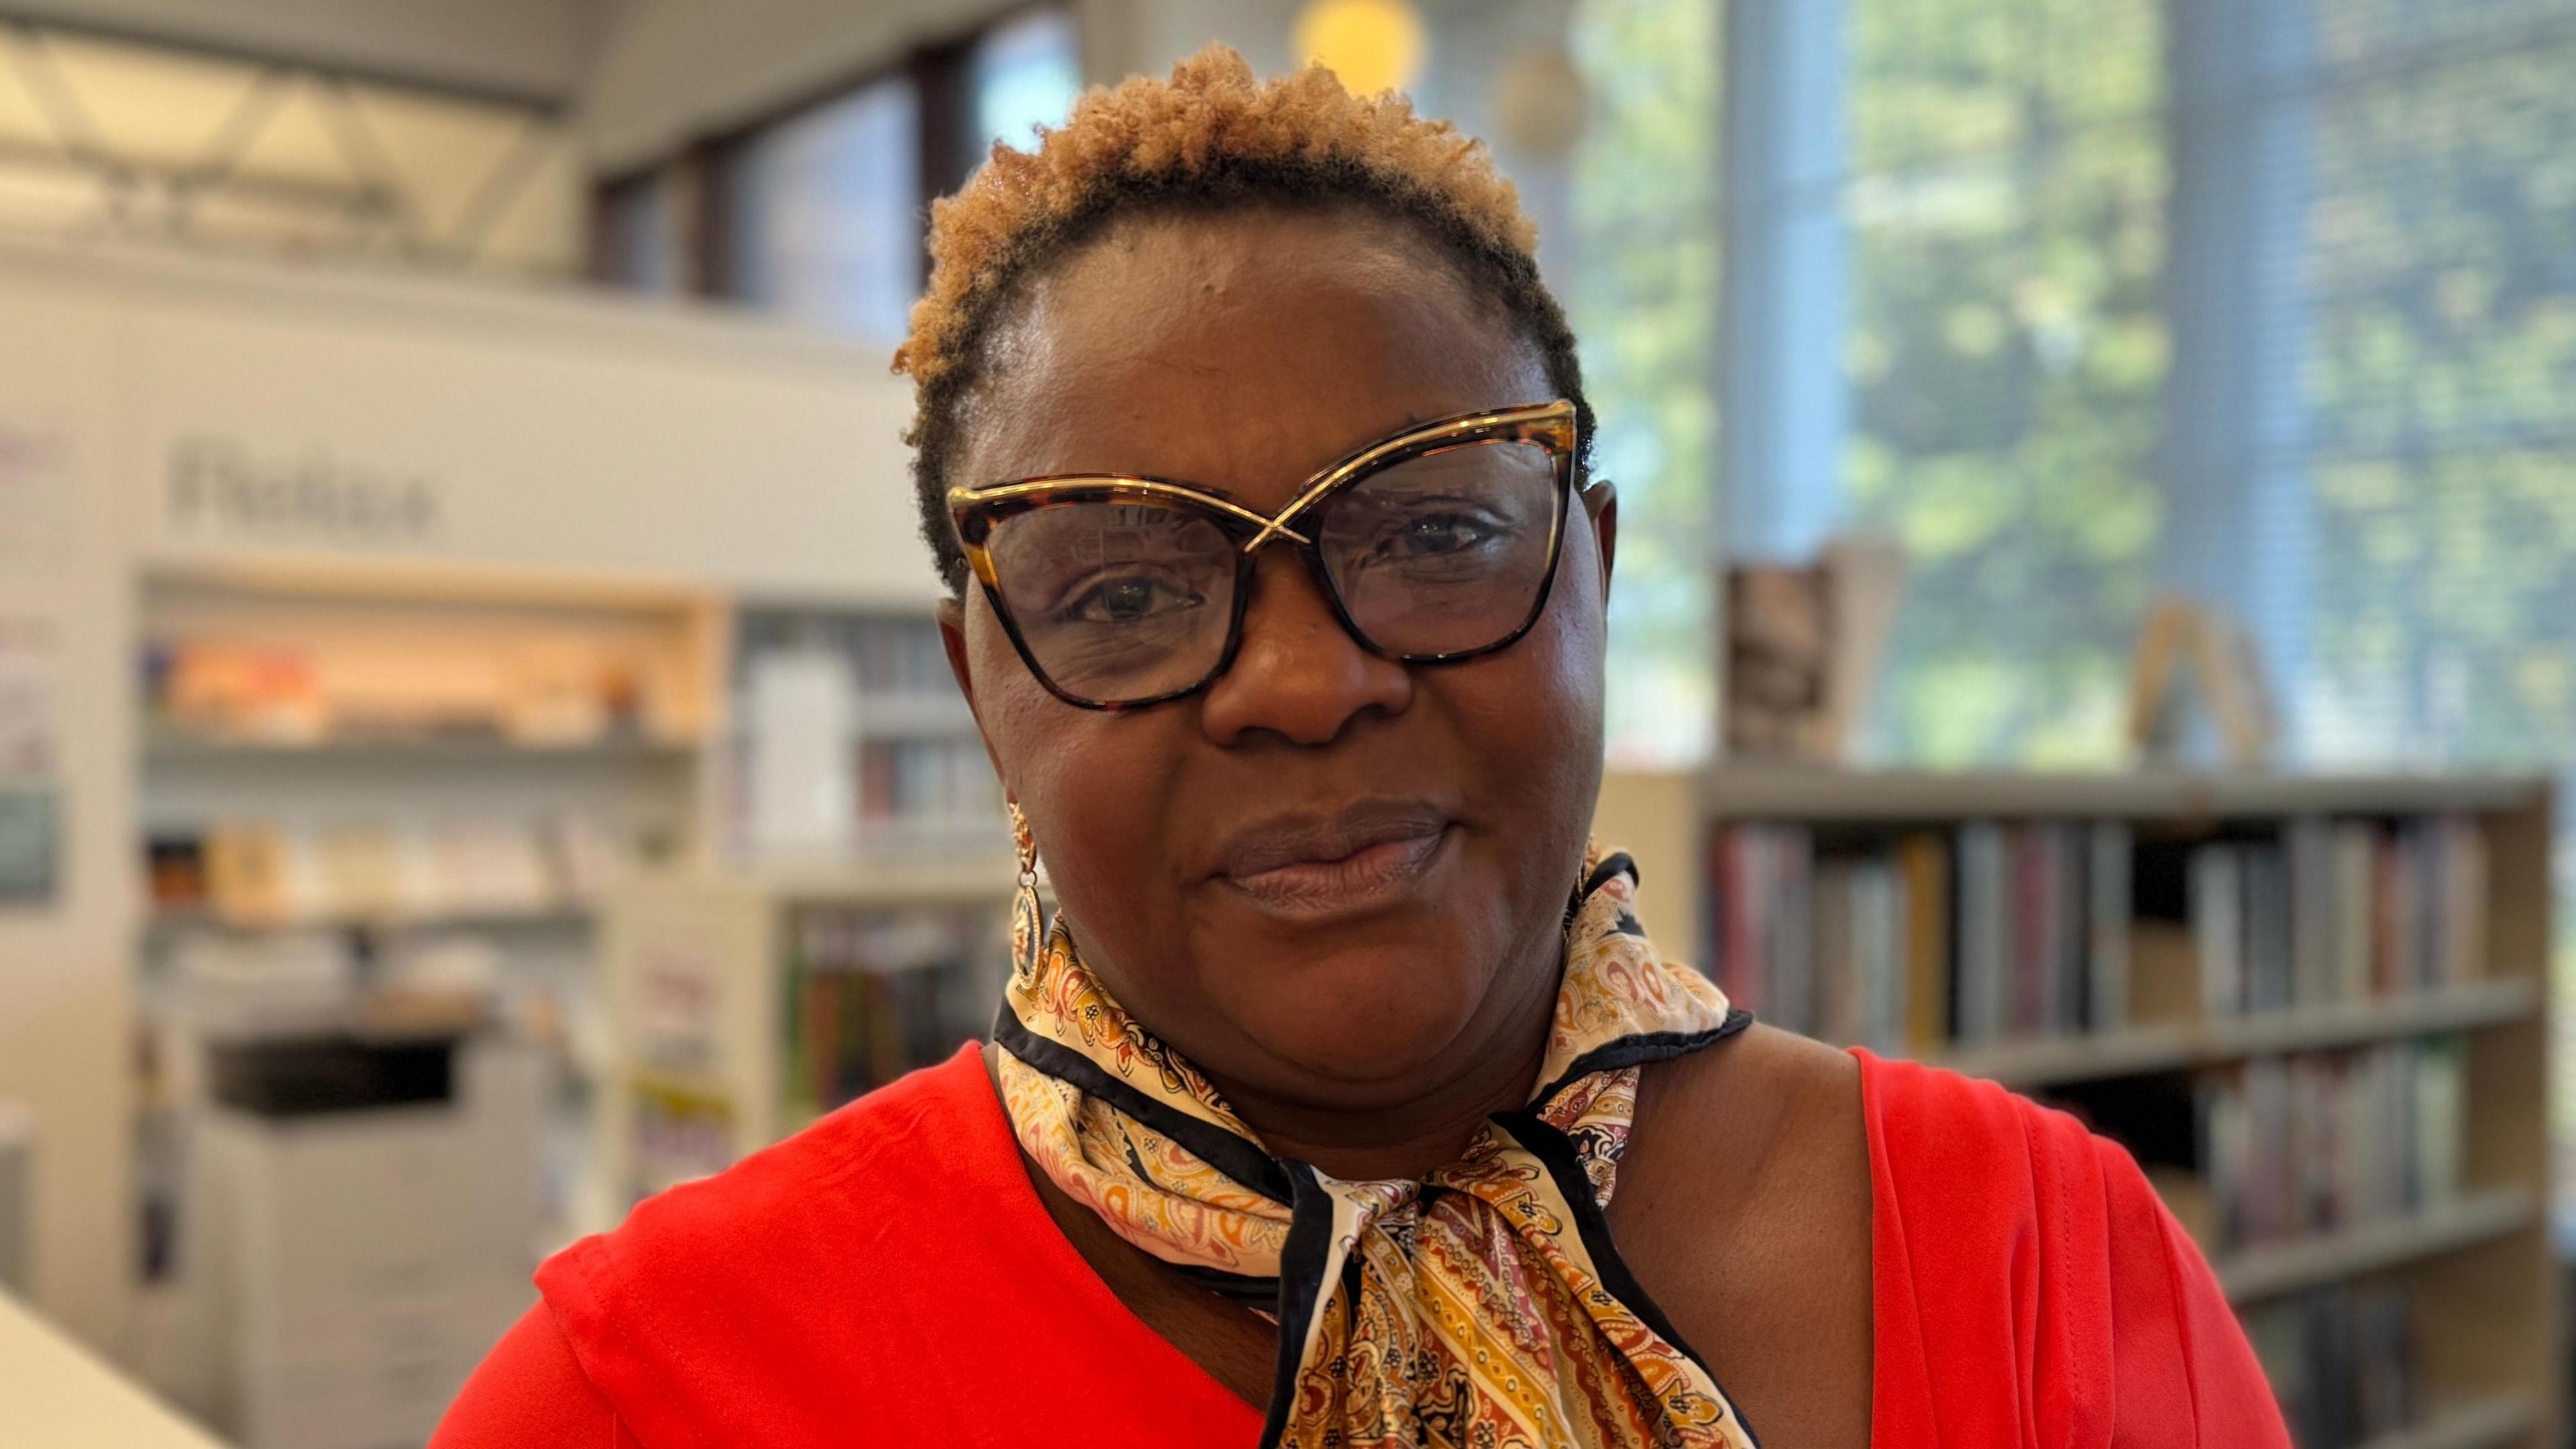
[
  {"x": 1130, "y": 599},
  {"x": 1437, "y": 534}
]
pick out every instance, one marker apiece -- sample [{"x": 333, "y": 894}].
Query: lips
[{"x": 1316, "y": 867}]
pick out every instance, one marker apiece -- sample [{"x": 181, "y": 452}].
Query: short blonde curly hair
[{"x": 1210, "y": 137}]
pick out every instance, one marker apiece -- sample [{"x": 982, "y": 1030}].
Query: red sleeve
[
  {"x": 2030, "y": 1288},
  {"x": 530, "y": 1393},
  {"x": 2186, "y": 1375}
]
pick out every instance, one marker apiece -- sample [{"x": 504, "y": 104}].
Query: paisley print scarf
[{"x": 1483, "y": 1305}]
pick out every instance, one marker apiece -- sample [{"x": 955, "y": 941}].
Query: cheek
[
  {"x": 1544, "y": 695},
  {"x": 1530, "y": 716},
  {"x": 1093, "y": 784}
]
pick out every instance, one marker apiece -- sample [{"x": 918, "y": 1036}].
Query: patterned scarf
[{"x": 1481, "y": 1306}]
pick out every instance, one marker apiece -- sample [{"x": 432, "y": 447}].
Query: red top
[{"x": 889, "y": 1277}]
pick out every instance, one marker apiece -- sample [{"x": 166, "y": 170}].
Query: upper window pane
[
  {"x": 828, "y": 224},
  {"x": 2006, "y": 361},
  {"x": 1643, "y": 294},
  {"x": 1025, "y": 74}
]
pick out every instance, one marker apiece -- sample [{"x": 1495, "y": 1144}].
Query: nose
[{"x": 1298, "y": 675}]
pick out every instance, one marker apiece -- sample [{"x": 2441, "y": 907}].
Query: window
[
  {"x": 2434, "y": 252},
  {"x": 1946, "y": 246},
  {"x": 827, "y": 213},
  {"x": 1024, "y": 74},
  {"x": 2005, "y": 360},
  {"x": 1643, "y": 299},
  {"x": 1943, "y": 267},
  {"x": 818, "y": 212}
]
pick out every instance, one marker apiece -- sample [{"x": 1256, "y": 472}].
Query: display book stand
[{"x": 2299, "y": 995}]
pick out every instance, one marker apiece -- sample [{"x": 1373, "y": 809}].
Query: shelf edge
[{"x": 2271, "y": 1272}]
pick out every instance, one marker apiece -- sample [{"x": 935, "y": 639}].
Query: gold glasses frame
[{"x": 977, "y": 512}]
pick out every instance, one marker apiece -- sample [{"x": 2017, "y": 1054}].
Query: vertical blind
[
  {"x": 2435, "y": 251},
  {"x": 2004, "y": 201}
]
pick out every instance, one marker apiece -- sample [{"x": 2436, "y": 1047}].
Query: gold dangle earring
[
  {"x": 1028, "y": 921},
  {"x": 1592, "y": 857}
]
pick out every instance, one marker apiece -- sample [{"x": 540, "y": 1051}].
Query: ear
[
  {"x": 1601, "y": 501},
  {"x": 952, "y": 637}
]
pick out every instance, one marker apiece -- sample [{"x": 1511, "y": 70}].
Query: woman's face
[{"x": 1329, "y": 879}]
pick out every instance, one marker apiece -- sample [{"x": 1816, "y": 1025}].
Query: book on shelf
[
  {"x": 680, "y": 1132},
  {"x": 1921, "y": 939},
  {"x": 2341, "y": 1362},
  {"x": 873, "y": 993},
  {"x": 931, "y": 788},
  {"x": 261, "y": 874},
  {"x": 2322, "y": 1142},
  {"x": 1912, "y": 941},
  {"x": 903, "y": 657},
  {"x": 2338, "y": 911}
]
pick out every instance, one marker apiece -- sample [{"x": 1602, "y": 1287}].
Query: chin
[{"x": 1364, "y": 1022}]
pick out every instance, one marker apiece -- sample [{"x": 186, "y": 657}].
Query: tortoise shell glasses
[{"x": 1435, "y": 544}]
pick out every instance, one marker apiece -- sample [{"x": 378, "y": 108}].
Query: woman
[{"x": 1344, "y": 1103}]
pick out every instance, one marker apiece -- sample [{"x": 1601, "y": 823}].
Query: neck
[{"x": 1491, "y": 1068}]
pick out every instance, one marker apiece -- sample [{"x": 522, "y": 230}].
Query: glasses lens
[
  {"x": 1117, "y": 602},
  {"x": 1446, "y": 553}
]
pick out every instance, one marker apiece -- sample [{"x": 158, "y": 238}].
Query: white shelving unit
[
  {"x": 344, "y": 449},
  {"x": 445, "y": 643}
]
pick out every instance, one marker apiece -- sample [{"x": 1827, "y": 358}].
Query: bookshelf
[
  {"x": 2175, "y": 1046},
  {"x": 2315, "y": 1007},
  {"x": 743, "y": 1004},
  {"x": 2476, "y": 1424}
]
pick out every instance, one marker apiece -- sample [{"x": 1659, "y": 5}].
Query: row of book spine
[
  {"x": 2336, "y": 911},
  {"x": 1925, "y": 939},
  {"x": 2341, "y": 1361},
  {"x": 1922, "y": 940},
  {"x": 902, "y": 657},
  {"x": 2323, "y": 1141},
  {"x": 928, "y": 784},
  {"x": 873, "y": 994}
]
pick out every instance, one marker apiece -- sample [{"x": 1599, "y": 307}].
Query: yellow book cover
[{"x": 1924, "y": 860}]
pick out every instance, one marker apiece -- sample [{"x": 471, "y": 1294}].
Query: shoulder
[
  {"x": 1965, "y": 1170},
  {"x": 1743, "y": 1208},
  {"x": 529, "y": 1390},
  {"x": 1745, "y": 1118},
  {"x": 2010, "y": 1275}
]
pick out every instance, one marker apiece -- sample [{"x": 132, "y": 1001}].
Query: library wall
[
  {"x": 64, "y": 995},
  {"x": 428, "y": 422}
]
